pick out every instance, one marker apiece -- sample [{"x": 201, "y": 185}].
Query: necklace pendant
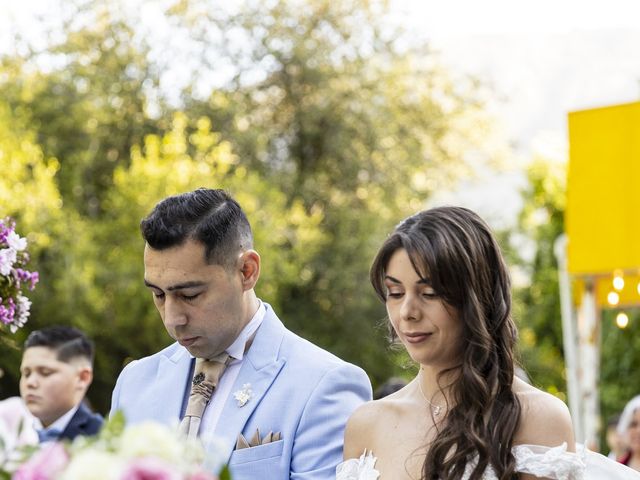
[{"x": 437, "y": 409}]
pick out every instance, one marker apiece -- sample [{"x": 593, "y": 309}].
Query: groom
[{"x": 279, "y": 403}]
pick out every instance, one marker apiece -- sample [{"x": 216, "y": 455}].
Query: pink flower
[
  {"x": 44, "y": 464},
  {"x": 149, "y": 468}
]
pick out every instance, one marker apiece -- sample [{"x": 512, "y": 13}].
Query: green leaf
[
  {"x": 225, "y": 474},
  {"x": 114, "y": 426}
]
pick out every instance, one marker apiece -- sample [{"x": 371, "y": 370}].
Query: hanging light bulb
[
  {"x": 613, "y": 298},
  {"x": 618, "y": 280},
  {"x": 622, "y": 320},
  {"x": 638, "y": 288}
]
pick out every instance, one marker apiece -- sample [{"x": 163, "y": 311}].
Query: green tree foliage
[
  {"x": 619, "y": 378},
  {"x": 327, "y": 102},
  {"x": 85, "y": 97},
  {"x": 537, "y": 306},
  {"x": 328, "y": 131},
  {"x": 28, "y": 194}
]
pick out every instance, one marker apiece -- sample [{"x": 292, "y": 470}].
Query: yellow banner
[{"x": 602, "y": 219}]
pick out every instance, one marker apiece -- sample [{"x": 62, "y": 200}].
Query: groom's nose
[{"x": 174, "y": 314}]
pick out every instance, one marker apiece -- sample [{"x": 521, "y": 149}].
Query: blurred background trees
[{"x": 324, "y": 119}]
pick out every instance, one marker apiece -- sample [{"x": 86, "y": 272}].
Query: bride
[{"x": 465, "y": 416}]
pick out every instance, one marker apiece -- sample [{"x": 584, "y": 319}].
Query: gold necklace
[{"x": 436, "y": 409}]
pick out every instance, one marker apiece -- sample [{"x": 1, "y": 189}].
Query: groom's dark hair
[{"x": 210, "y": 216}]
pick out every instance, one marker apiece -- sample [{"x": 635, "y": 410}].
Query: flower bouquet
[
  {"x": 145, "y": 451},
  {"x": 14, "y": 306}
]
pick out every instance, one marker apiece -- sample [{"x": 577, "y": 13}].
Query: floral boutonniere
[{"x": 243, "y": 395}]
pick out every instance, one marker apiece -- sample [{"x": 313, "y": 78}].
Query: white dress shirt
[{"x": 223, "y": 390}]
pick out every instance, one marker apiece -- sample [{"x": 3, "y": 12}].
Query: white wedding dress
[{"x": 552, "y": 463}]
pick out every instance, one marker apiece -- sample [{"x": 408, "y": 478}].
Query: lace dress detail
[
  {"x": 553, "y": 463},
  {"x": 360, "y": 469}
]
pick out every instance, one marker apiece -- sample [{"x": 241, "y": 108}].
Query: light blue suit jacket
[{"x": 299, "y": 389}]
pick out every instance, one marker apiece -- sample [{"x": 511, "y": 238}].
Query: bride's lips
[{"x": 416, "y": 337}]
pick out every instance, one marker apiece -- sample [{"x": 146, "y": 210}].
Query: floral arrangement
[
  {"x": 145, "y": 451},
  {"x": 14, "y": 306}
]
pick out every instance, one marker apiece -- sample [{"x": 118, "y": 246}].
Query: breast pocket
[
  {"x": 263, "y": 461},
  {"x": 256, "y": 454}
]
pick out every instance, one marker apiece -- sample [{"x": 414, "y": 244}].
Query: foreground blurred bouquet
[
  {"x": 145, "y": 451},
  {"x": 14, "y": 306}
]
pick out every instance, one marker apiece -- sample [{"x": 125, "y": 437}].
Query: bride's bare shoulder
[
  {"x": 545, "y": 419},
  {"x": 372, "y": 414},
  {"x": 369, "y": 421}
]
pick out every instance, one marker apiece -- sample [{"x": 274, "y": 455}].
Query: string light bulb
[
  {"x": 613, "y": 298},
  {"x": 622, "y": 320},
  {"x": 618, "y": 281}
]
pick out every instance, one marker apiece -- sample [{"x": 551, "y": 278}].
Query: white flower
[
  {"x": 94, "y": 465},
  {"x": 151, "y": 439},
  {"x": 23, "y": 305},
  {"x": 16, "y": 242},
  {"x": 243, "y": 395},
  {"x": 8, "y": 257},
  {"x": 6, "y": 443}
]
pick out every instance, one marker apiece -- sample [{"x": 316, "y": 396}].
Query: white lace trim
[
  {"x": 545, "y": 461},
  {"x": 360, "y": 469},
  {"x": 550, "y": 462}
]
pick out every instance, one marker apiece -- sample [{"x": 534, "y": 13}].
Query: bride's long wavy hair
[{"x": 455, "y": 249}]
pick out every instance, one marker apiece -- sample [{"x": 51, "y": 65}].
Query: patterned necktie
[
  {"x": 48, "y": 435},
  {"x": 206, "y": 376}
]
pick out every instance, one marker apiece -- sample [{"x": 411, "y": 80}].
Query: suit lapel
[
  {"x": 259, "y": 369},
  {"x": 169, "y": 392},
  {"x": 77, "y": 424}
]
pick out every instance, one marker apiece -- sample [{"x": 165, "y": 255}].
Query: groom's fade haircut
[
  {"x": 209, "y": 216},
  {"x": 68, "y": 343}
]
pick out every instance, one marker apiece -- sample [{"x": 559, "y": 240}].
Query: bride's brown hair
[{"x": 455, "y": 249}]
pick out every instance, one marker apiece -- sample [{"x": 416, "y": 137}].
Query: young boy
[{"x": 56, "y": 371}]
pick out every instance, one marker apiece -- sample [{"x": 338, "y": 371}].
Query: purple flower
[
  {"x": 44, "y": 464},
  {"x": 14, "y": 306},
  {"x": 7, "y": 312},
  {"x": 33, "y": 279}
]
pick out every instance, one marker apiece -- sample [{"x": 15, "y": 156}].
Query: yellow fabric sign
[{"x": 602, "y": 218}]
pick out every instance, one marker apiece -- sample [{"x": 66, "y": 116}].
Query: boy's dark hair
[
  {"x": 209, "y": 216},
  {"x": 67, "y": 342}
]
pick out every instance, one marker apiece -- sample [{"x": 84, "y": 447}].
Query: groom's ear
[{"x": 249, "y": 262}]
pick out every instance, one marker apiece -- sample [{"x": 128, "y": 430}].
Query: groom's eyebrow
[{"x": 179, "y": 286}]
